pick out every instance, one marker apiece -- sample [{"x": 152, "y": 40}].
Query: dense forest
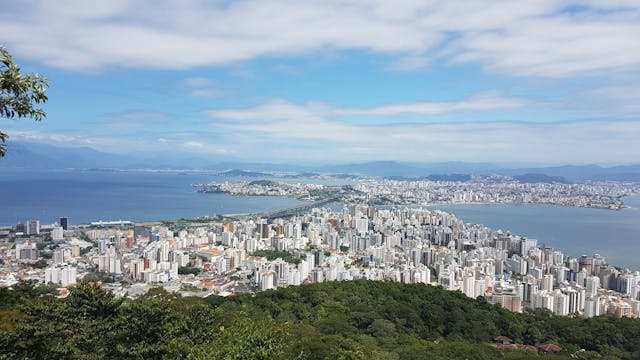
[{"x": 333, "y": 320}]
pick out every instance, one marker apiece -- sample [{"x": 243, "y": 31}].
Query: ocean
[{"x": 86, "y": 196}]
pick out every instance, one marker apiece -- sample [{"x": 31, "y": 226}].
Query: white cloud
[
  {"x": 202, "y": 147},
  {"x": 280, "y": 119},
  {"x": 201, "y": 87},
  {"x": 616, "y": 99},
  {"x": 105, "y": 143},
  {"x": 193, "y": 145},
  {"x": 309, "y": 132},
  {"x": 555, "y": 47},
  {"x": 281, "y": 110},
  {"x": 46, "y": 137},
  {"x": 267, "y": 133},
  {"x": 482, "y": 101},
  {"x": 522, "y": 37}
]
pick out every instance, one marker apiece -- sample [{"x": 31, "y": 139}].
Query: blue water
[
  {"x": 86, "y": 196},
  {"x": 136, "y": 196},
  {"x": 576, "y": 231}
]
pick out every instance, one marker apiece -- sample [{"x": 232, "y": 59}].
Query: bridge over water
[{"x": 297, "y": 209}]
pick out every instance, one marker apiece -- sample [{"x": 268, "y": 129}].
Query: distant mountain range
[
  {"x": 409, "y": 170},
  {"x": 43, "y": 156},
  {"x": 27, "y": 155},
  {"x": 582, "y": 172}
]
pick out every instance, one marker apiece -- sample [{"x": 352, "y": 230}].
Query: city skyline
[{"x": 546, "y": 82}]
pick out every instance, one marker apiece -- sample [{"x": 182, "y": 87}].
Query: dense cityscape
[
  {"x": 248, "y": 253},
  {"x": 489, "y": 189}
]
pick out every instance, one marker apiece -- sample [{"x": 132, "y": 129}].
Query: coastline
[
  {"x": 564, "y": 230},
  {"x": 410, "y": 205}
]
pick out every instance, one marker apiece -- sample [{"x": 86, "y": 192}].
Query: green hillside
[{"x": 334, "y": 320}]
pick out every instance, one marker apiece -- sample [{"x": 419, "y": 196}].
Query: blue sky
[{"x": 537, "y": 82}]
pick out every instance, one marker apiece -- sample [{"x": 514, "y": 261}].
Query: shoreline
[
  {"x": 552, "y": 240},
  {"x": 427, "y": 205}
]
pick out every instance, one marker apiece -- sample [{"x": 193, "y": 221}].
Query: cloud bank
[
  {"x": 519, "y": 37},
  {"x": 293, "y": 127}
]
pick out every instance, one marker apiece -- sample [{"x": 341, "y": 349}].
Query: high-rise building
[
  {"x": 222, "y": 265},
  {"x": 316, "y": 275},
  {"x": 264, "y": 231},
  {"x": 281, "y": 269},
  {"x": 33, "y": 227},
  {"x": 581, "y": 278},
  {"x": 57, "y": 233},
  {"x": 560, "y": 303},
  {"x": 75, "y": 250},
  {"x": 625, "y": 283},
  {"x": 68, "y": 276},
  {"x": 608, "y": 276},
  {"x": 591, "y": 307},
  {"x": 592, "y": 284},
  {"x": 529, "y": 288},
  {"x": 63, "y": 276},
  {"x": 52, "y": 275},
  {"x": 558, "y": 258},
  {"x": 586, "y": 263},
  {"x": 266, "y": 280},
  {"x": 560, "y": 274},
  {"x": 64, "y": 223},
  {"x": 27, "y": 251},
  {"x": 575, "y": 298},
  {"x": 362, "y": 225},
  {"x": 21, "y": 228},
  {"x": 58, "y": 256},
  {"x": 526, "y": 244},
  {"x": 547, "y": 283},
  {"x": 468, "y": 285}
]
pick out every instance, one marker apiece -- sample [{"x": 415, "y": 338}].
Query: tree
[
  {"x": 185, "y": 270},
  {"x": 19, "y": 94},
  {"x": 40, "y": 264},
  {"x": 245, "y": 339}
]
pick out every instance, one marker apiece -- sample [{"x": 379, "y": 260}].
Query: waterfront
[
  {"x": 86, "y": 196},
  {"x": 615, "y": 234},
  {"x": 137, "y": 196}
]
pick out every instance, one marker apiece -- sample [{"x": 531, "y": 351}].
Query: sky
[{"x": 527, "y": 82}]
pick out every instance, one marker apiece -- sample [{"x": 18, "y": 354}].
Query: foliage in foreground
[
  {"x": 338, "y": 320},
  {"x": 19, "y": 94}
]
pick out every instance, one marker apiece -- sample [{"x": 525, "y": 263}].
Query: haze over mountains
[{"x": 28, "y": 155}]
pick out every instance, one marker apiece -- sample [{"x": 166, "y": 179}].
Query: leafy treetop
[{"x": 19, "y": 94}]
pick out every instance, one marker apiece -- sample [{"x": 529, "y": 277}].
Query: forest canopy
[{"x": 334, "y": 320}]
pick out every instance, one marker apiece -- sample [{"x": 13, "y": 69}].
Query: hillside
[
  {"x": 335, "y": 320},
  {"x": 31, "y": 155}
]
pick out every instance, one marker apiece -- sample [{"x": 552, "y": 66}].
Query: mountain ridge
[{"x": 33, "y": 155}]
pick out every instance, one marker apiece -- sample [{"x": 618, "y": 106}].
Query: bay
[
  {"x": 614, "y": 234},
  {"x": 86, "y": 196}
]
